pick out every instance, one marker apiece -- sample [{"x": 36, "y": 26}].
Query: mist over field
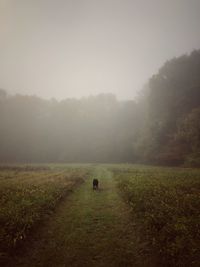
[
  {"x": 99, "y": 81},
  {"x": 99, "y": 133},
  {"x": 161, "y": 126}
]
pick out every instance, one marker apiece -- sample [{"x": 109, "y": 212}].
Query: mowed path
[{"x": 91, "y": 228}]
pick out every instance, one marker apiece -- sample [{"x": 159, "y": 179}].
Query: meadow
[
  {"x": 165, "y": 206},
  {"x": 27, "y": 195},
  {"x": 149, "y": 216}
]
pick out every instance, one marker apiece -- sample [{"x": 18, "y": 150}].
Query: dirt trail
[{"x": 91, "y": 228}]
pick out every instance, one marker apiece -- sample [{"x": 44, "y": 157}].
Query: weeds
[
  {"x": 26, "y": 196},
  {"x": 165, "y": 206}
]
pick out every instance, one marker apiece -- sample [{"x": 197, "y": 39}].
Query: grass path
[{"x": 91, "y": 228}]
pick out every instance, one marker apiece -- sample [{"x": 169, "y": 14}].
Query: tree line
[{"x": 161, "y": 126}]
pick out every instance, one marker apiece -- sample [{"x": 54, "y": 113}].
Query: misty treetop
[
  {"x": 172, "y": 100},
  {"x": 162, "y": 126}
]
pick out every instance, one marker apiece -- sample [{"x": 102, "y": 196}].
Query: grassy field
[
  {"x": 27, "y": 194},
  {"x": 165, "y": 204},
  {"x": 140, "y": 216}
]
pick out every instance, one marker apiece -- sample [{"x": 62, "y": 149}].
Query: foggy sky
[{"x": 74, "y": 48}]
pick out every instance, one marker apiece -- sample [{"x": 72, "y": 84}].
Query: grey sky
[{"x": 73, "y": 48}]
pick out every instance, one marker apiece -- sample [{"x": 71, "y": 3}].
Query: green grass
[
  {"x": 165, "y": 206},
  {"x": 141, "y": 215},
  {"x": 91, "y": 228},
  {"x": 27, "y": 194}
]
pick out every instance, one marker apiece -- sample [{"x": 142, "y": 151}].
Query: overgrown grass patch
[
  {"x": 165, "y": 205},
  {"x": 27, "y": 194}
]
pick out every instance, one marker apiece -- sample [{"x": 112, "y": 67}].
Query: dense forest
[{"x": 161, "y": 126}]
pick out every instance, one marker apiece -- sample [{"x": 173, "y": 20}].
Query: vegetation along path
[{"x": 91, "y": 228}]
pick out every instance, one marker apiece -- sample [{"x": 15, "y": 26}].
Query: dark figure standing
[{"x": 95, "y": 184}]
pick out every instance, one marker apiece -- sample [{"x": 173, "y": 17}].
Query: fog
[
  {"x": 160, "y": 127},
  {"x": 75, "y": 48}
]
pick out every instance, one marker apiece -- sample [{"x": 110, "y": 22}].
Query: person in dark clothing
[{"x": 95, "y": 184}]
